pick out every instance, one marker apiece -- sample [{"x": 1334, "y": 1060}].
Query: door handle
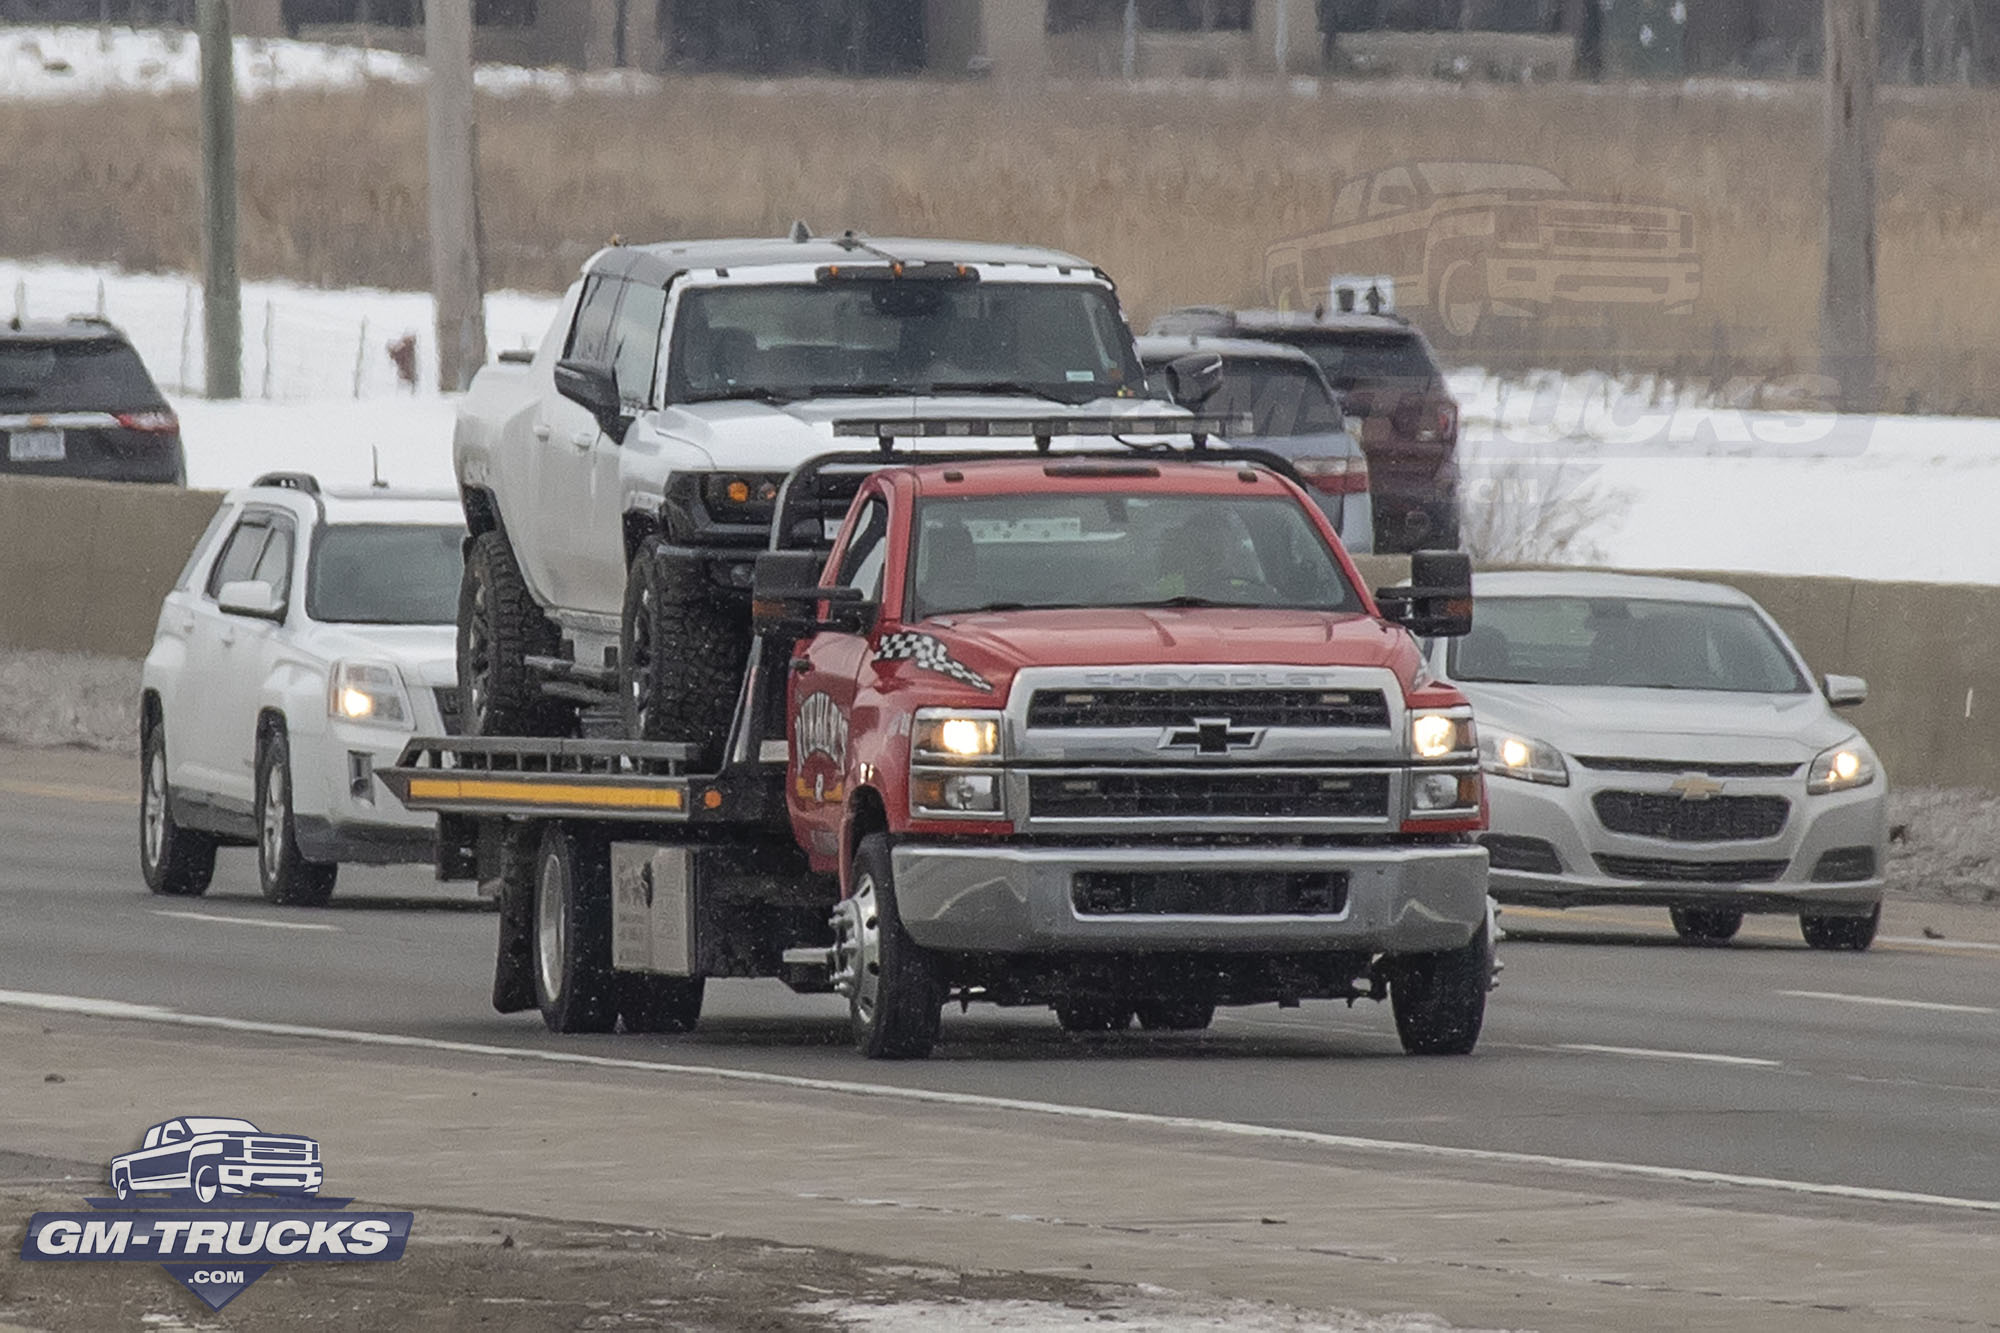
[
  {"x": 583, "y": 439},
  {"x": 542, "y": 431}
]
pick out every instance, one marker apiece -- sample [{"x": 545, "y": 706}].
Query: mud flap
[{"x": 514, "y": 960}]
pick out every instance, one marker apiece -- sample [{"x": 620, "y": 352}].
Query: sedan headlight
[
  {"x": 1509, "y": 756},
  {"x": 950, "y": 733},
  {"x": 369, "y": 692},
  {"x": 1842, "y": 768},
  {"x": 1437, "y": 735}
]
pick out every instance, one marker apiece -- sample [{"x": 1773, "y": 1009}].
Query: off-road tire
[
  {"x": 286, "y": 876},
  {"x": 1092, "y": 1014},
  {"x": 659, "y": 1004},
  {"x": 176, "y": 862},
  {"x": 1705, "y": 925},
  {"x": 1841, "y": 934},
  {"x": 499, "y": 628},
  {"x": 1179, "y": 1014},
  {"x": 574, "y": 985},
  {"x": 681, "y": 653},
  {"x": 1440, "y": 998},
  {"x": 903, "y": 1022}
]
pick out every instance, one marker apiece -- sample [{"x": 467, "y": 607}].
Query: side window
[
  {"x": 590, "y": 336},
  {"x": 203, "y": 546},
  {"x": 862, "y": 563},
  {"x": 241, "y": 553},
  {"x": 173, "y": 1133},
  {"x": 1394, "y": 193},
  {"x": 635, "y": 342},
  {"x": 275, "y": 565}
]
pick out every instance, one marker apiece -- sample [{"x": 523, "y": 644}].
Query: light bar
[{"x": 1042, "y": 428}]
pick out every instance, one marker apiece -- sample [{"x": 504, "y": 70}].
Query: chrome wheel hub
[
  {"x": 271, "y": 837},
  {"x": 857, "y": 948},
  {"x": 154, "y": 816},
  {"x": 551, "y": 929}
]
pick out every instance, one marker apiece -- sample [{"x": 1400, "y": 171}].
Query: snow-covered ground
[
  {"x": 75, "y": 61},
  {"x": 1650, "y": 479}
]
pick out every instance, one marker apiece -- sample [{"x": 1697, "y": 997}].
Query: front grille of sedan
[
  {"x": 1671, "y": 818},
  {"x": 1136, "y": 794},
  {"x": 1662, "y": 871},
  {"x": 1085, "y": 707},
  {"x": 1713, "y": 768}
]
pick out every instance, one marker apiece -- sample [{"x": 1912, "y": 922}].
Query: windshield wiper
[
  {"x": 1009, "y": 606},
  {"x": 1020, "y": 387},
  {"x": 1185, "y": 600},
  {"x": 846, "y": 390},
  {"x": 757, "y": 393}
]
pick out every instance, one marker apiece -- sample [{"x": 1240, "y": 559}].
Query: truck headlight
[
  {"x": 371, "y": 693},
  {"x": 1436, "y": 735},
  {"x": 1521, "y": 757},
  {"x": 1431, "y": 793},
  {"x": 742, "y": 497},
  {"x": 950, "y": 733},
  {"x": 954, "y": 793},
  {"x": 1842, "y": 768}
]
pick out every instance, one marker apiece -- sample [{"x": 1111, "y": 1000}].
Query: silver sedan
[{"x": 1661, "y": 742}]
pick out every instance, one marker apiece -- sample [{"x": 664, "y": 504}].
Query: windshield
[
  {"x": 1022, "y": 552},
  {"x": 1061, "y": 341},
  {"x": 1627, "y": 642},
  {"x": 215, "y": 1124},
  {"x": 1359, "y": 358},
  {"x": 94, "y": 376},
  {"x": 386, "y": 574}
]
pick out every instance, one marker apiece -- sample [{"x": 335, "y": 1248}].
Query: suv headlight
[
  {"x": 1842, "y": 768},
  {"x": 1509, "y": 756},
  {"x": 955, "y": 734},
  {"x": 371, "y": 693},
  {"x": 1440, "y": 735}
]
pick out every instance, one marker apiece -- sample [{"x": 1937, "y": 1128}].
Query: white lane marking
[
  {"x": 244, "y": 920},
  {"x": 1885, "y": 1002},
  {"x": 149, "y": 1013},
  {"x": 1647, "y": 1053}
]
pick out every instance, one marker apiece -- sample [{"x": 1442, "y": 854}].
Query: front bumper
[
  {"x": 1543, "y": 281},
  {"x": 1563, "y": 818},
  {"x": 989, "y": 898},
  {"x": 272, "y": 1176},
  {"x": 342, "y": 811}
]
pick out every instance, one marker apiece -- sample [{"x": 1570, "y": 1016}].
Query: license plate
[{"x": 35, "y": 446}]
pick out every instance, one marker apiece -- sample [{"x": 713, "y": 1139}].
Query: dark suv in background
[
  {"x": 1385, "y": 370},
  {"x": 76, "y": 401}
]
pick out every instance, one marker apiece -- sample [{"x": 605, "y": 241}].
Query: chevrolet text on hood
[{"x": 1116, "y": 732}]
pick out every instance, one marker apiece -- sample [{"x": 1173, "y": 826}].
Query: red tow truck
[{"x": 1123, "y": 734}]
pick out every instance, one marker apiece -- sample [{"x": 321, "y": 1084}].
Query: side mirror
[
  {"x": 251, "y": 597},
  {"x": 593, "y": 386},
  {"x": 1194, "y": 378},
  {"x": 1844, "y": 691},
  {"x": 1437, "y": 603},
  {"x": 785, "y": 597}
]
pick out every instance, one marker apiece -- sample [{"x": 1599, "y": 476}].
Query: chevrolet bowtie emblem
[
  {"x": 1695, "y": 787},
  {"x": 1211, "y": 735}
]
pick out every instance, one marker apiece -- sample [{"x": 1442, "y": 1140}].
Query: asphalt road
[{"x": 1607, "y": 1040}]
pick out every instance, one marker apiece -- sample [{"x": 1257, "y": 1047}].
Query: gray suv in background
[{"x": 76, "y": 401}]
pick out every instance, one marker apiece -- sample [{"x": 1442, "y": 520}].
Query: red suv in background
[{"x": 1385, "y": 370}]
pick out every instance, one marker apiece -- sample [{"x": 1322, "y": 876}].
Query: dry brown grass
[{"x": 1175, "y": 192}]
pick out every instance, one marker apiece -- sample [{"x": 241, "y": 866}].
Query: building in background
[{"x": 1926, "y": 41}]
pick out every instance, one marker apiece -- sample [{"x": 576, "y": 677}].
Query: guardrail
[{"x": 83, "y": 566}]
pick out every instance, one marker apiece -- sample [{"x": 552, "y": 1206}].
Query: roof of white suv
[
  {"x": 661, "y": 262},
  {"x": 1601, "y": 583},
  {"x": 352, "y": 504}
]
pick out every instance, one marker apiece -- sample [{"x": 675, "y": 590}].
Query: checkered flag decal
[{"x": 929, "y": 654}]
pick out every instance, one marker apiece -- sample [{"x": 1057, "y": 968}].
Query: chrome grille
[
  {"x": 1714, "y": 768},
  {"x": 1085, "y": 707},
  {"x": 1664, "y": 815},
  {"x": 1660, "y": 870}
]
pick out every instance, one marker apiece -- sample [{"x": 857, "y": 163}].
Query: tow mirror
[
  {"x": 1844, "y": 691},
  {"x": 1437, "y": 601},
  {"x": 1194, "y": 378},
  {"x": 251, "y": 597},
  {"x": 593, "y": 386},
  {"x": 785, "y": 597}
]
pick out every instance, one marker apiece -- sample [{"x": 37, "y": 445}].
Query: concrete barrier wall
[{"x": 83, "y": 566}]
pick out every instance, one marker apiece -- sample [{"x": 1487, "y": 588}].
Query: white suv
[{"x": 309, "y": 635}]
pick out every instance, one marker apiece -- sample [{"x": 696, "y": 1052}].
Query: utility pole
[
  {"x": 1847, "y": 300},
  {"x": 222, "y": 291},
  {"x": 457, "y": 285}
]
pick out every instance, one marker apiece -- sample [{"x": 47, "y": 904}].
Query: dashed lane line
[
  {"x": 1647, "y": 1053},
  {"x": 146, "y": 1013},
  {"x": 1887, "y": 1002},
  {"x": 244, "y": 920}
]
